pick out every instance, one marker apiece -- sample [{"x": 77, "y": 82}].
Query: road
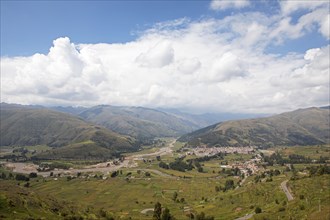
[
  {"x": 286, "y": 190},
  {"x": 160, "y": 152},
  {"x": 129, "y": 162}
]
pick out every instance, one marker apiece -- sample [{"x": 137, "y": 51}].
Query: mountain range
[
  {"x": 301, "y": 127},
  {"x": 105, "y": 131},
  {"x": 146, "y": 123}
]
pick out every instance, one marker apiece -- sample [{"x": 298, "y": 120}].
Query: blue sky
[
  {"x": 29, "y": 27},
  {"x": 202, "y": 56}
]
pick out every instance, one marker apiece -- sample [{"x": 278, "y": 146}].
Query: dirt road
[{"x": 286, "y": 190}]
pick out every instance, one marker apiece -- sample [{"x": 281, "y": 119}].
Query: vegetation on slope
[
  {"x": 28, "y": 126},
  {"x": 138, "y": 122},
  {"x": 301, "y": 127}
]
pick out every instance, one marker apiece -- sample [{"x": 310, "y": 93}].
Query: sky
[{"x": 200, "y": 56}]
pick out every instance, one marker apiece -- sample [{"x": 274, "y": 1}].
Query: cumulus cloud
[
  {"x": 209, "y": 64},
  {"x": 226, "y": 67},
  {"x": 219, "y": 5},
  {"x": 159, "y": 55}
]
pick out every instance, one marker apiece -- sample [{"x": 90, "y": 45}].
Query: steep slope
[
  {"x": 301, "y": 127},
  {"x": 25, "y": 125},
  {"x": 138, "y": 122}
]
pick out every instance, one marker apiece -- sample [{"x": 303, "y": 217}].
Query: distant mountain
[
  {"x": 301, "y": 127},
  {"x": 138, "y": 122},
  {"x": 207, "y": 119},
  {"x": 69, "y": 109},
  {"x": 146, "y": 123},
  {"x": 71, "y": 136}
]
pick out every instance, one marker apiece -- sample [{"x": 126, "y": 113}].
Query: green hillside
[
  {"x": 69, "y": 136},
  {"x": 138, "y": 122},
  {"x": 301, "y": 127}
]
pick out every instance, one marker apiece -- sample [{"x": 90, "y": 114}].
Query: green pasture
[{"x": 314, "y": 152}]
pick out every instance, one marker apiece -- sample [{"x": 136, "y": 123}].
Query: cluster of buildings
[
  {"x": 248, "y": 167},
  {"x": 210, "y": 151}
]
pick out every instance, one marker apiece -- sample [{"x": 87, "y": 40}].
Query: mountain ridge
[{"x": 300, "y": 127}]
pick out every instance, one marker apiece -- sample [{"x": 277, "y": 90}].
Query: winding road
[{"x": 286, "y": 190}]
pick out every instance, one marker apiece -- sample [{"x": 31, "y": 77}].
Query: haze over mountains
[
  {"x": 145, "y": 123},
  {"x": 301, "y": 127}
]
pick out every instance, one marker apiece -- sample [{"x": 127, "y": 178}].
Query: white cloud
[
  {"x": 159, "y": 55},
  {"x": 226, "y": 67},
  {"x": 290, "y": 6},
  {"x": 316, "y": 13},
  {"x": 211, "y": 65},
  {"x": 324, "y": 26},
  {"x": 219, "y": 5}
]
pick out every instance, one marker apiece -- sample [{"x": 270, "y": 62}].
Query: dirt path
[
  {"x": 286, "y": 190},
  {"x": 144, "y": 211},
  {"x": 159, "y": 173},
  {"x": 245, "y": 217}
]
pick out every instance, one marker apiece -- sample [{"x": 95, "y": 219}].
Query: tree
[
  {"x": 33, "y": 175},
  {"x": 3, "y": 175},
  {"x": 163, "y": 165},
  {"x": 21, "y": 177},
  {"x": 175, "y": 196},
  {"x": 157, "y": 211},
  {"x": 202, "y": 216},
  {"x": 229, "y": 185},
  {"x": 166, "y": 215},
  {"x": 114, "y": 174},
  {"x": 258, "y": 210}
]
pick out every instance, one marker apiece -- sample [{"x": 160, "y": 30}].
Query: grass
[
  {"x": 129, "y": 198},
  {"x": 126, "y": 198},
  {"x": 314, "y": 152}
]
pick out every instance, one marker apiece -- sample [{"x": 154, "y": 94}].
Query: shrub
[
  {"x": 302, "y": 207},
  {"x": 21, "y": 177},
  {"x": 33, "y": 175},
  {"x": 258, "y": 210}
]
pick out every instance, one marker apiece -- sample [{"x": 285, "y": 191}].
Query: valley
[{"x": 96, "y": 173}]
